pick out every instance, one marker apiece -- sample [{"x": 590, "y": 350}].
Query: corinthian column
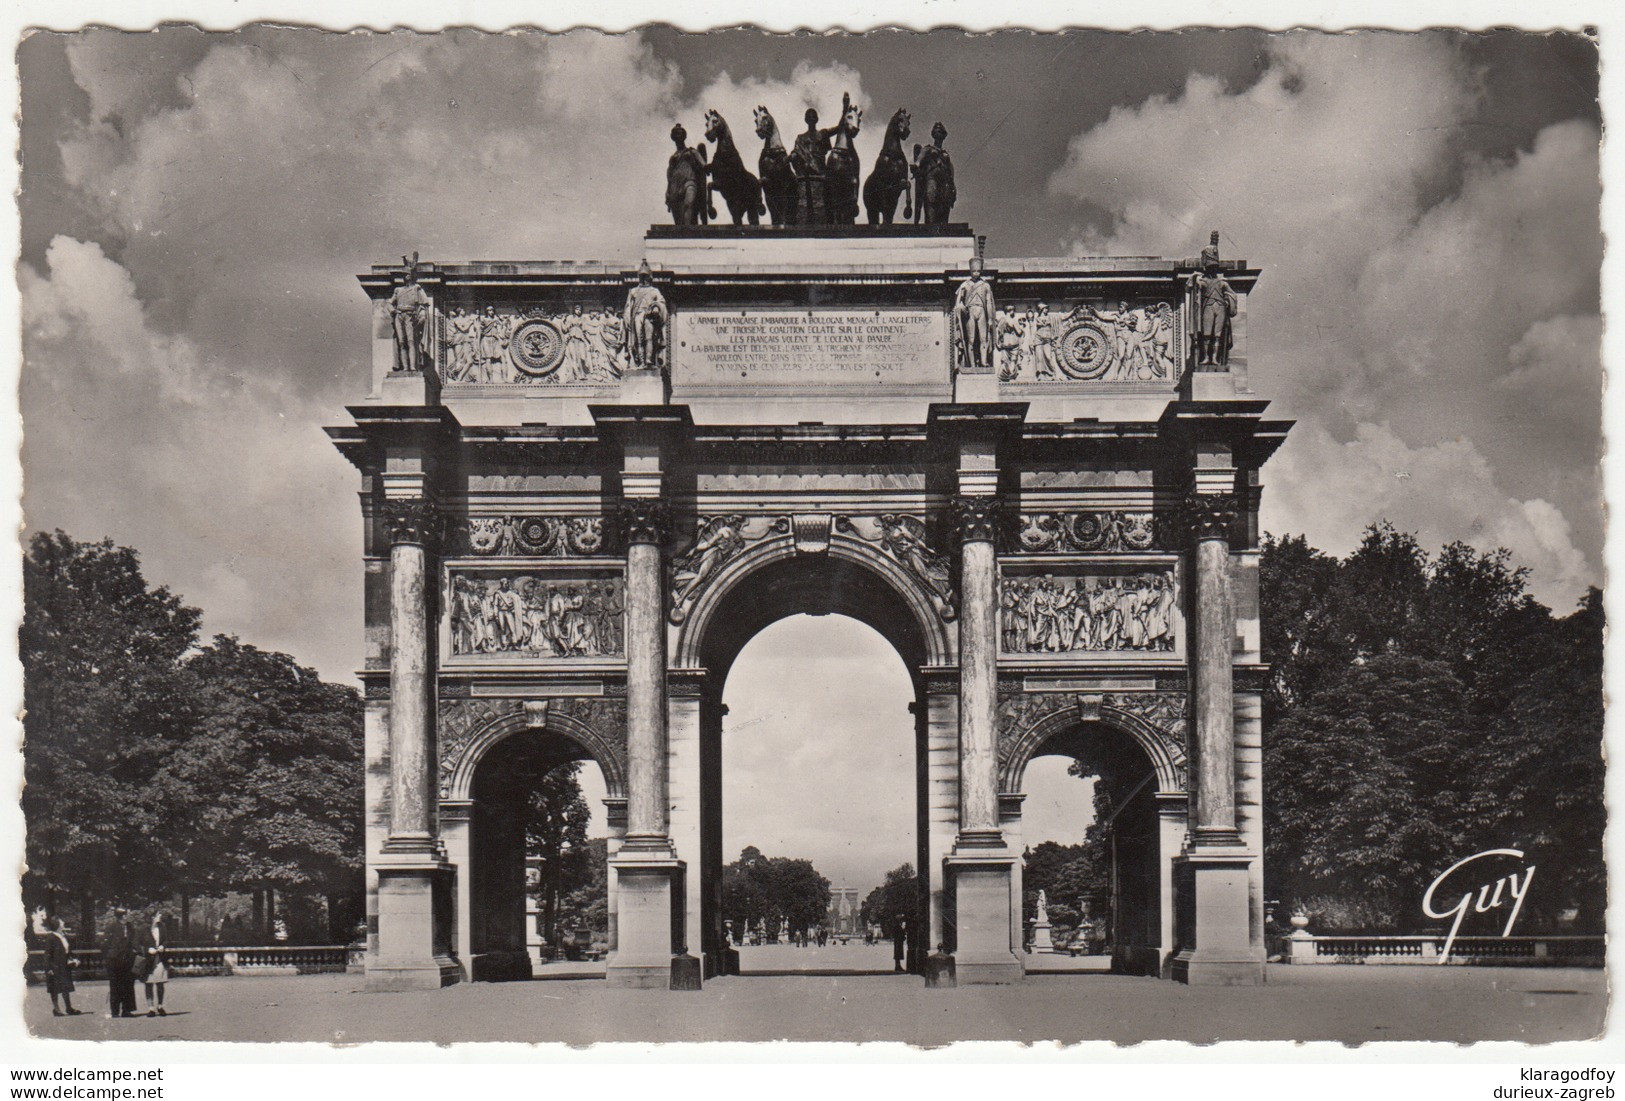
[
  {"x": 413, "y": 525},
  {"x": 978, "y": 663},
  {"x": 646, "y": 524},
  {"x": 1212, "y": 517}
]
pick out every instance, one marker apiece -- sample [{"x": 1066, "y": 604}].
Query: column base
[
  {"x": 648, "y": 919},
  {"x": 1214, "y": 915},
  {"x": 414, "y": 925},
  {"x": 982, "y": 880}
]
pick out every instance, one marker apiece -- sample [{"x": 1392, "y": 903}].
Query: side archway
[
  {"x": 1034, "y": 720},
  {"x": 596, "y": 725}
]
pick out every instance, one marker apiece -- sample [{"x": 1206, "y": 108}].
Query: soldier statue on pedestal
[
  {"x": 973, "y": 315},
  {"x": 645, "y": 323},
  {"x": 1215, "y": 306},
  {"x": 409, "y": 314}
]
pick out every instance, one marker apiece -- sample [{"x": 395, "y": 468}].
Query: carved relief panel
[
  {"x": 1136, "y": 343},
  {"x": 561, "y": 344},
  {"x": 514, "y": 610},
  {"x": 1073, "y": 610}
]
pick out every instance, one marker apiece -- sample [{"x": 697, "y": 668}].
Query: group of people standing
[
  {"x": 130, "y": 955},
  {"x": 1044, "y": 615},
  {"x": 489, "y": 617}
]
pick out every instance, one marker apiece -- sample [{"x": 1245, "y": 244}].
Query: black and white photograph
[{"x": 844, "y": 536}]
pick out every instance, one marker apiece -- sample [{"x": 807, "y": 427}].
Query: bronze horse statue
[
  {"x": 778, "y": 176},
  {"x": 841, "y": 167},
  {"x": 740, "y": 190},
  {"x": 890, "y": 176}
]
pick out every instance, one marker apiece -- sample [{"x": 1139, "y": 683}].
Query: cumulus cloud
[
  {"x": 1399, "y": 288},
  {"x": 219, "y": 326},
  {"x": 218, "y": 476},
  {"x": 1331, "y": 490}
]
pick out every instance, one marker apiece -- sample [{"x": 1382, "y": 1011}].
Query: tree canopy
[
  {"x": 760, "y": 890},
  {"x": 154, "y": 766},
  {"x": 1421, "y": 709}
]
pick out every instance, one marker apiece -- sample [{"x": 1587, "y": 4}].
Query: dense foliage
[
  {"x": 1068, "y": 875},
  {"x": 894, "y": 902},
  {"x": 566, "y": 862},
  {"x": 156, "y": 768},
  {"x": 760, "y": 890},
  {"x": 1421, "y": 710}
]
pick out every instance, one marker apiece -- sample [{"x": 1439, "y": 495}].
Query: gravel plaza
[{"x": 1349, "y": 1005}]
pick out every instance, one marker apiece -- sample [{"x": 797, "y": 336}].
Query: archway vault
[
  {"x": 786, "y": 573},
  {"x": 470, "y": 729},
  {"x": 1155, "y": 721}
]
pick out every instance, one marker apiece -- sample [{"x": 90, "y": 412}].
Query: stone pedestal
[
  {"x": 1042, "y": 941},
  {"x": 648, "y": 897},
  {"x": 982, "y": 886},
  {"x": 413, "y": 896},
  {"x": 1215, "y": 936},
  {"x": 643, "y": 386}
]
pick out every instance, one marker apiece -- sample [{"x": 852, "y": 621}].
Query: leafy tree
[
  {"x": 266, "y": 794},
  {"x": 586, "y": 904},
  {"x": 759, "y": 889},
  {"x": 556, "y": 834},
  {"x": 1420, "y": 711},
  {"x": 1066, "y": 874},
  {"x": 894, "y": 902},
  {"x": 105, "y": 700}
]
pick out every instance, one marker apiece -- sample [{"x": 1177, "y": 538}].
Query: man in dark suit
[{"x": 118, "y": 951}]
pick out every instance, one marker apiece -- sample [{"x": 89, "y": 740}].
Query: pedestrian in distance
[
  {"x": 155, "y": 969},
  {"x": 899, "y": 947},
  {"x": 59, "y": 965},
  {"x": 119, "y": 953}
]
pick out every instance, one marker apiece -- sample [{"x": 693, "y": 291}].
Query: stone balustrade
[{"x": 196, "y": 962}]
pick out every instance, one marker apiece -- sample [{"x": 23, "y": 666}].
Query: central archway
[{"x": 772, "y": 582}]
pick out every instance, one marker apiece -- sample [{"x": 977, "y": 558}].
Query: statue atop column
[
  {"x": 686, "y": 195},
  {"x": 644, "y": 321},
  {"x": 409, "y": 314},
  {"x": 934, "y": 179},
  {"x": 1215, "y": 306},
  {"x": 973, "y": 318}
]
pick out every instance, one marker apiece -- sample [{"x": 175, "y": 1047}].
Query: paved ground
[{"x": 1344, "y": 1004}]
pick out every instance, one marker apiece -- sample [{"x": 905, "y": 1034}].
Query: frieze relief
[
  {"x": 558, "y": 345},
  {"x": 1110, "y": 531},
  {"x": 532, "y": 536},
  {"x": 1107, "y": 341},
  {"x": 537, "y": 615},
  {"x": 462, "y": 719},
  {"x": 1088, "y": 613}
]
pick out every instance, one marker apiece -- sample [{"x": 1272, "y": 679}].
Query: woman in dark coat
[{"x": 59, "y": 964}]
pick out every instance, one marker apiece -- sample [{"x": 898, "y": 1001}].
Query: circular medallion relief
[
  {"x": 1086, "y": 350},
  {"x": 538, "y": 347}
]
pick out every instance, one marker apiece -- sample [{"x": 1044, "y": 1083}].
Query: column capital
[
  {"x": 977, "y": 516},
  {"x": 413, "y": 520},
  {"x": 645, "y": 520},
  {"x": 1210, "y": 515}
]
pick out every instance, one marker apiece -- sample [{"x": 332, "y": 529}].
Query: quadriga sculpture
[
  {"x": 890, "y": 176},
  {"x": 778, "y": 177},
  {"x": 729, "y": 177}
]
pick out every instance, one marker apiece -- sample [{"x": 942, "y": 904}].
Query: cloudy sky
[{"x": 195, "y": 207}]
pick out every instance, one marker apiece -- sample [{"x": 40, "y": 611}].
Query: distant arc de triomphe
[{"x": 586, "y": 486}]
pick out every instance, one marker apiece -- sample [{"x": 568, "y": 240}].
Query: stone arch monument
[{"x": 593, "y": 483}]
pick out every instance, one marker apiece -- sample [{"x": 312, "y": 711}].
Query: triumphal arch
[{"x": 586, "y": 485}]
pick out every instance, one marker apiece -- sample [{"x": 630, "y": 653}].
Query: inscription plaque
[{"x": 821, "y": 349}]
